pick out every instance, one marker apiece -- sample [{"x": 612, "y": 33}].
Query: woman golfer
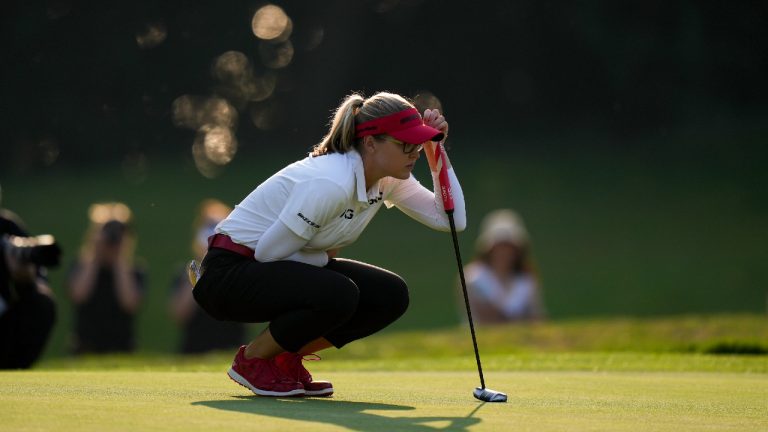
[{"x": 273, "y": 258}]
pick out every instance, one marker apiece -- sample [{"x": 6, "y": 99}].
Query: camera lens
[{"x": 113, "y": 232}]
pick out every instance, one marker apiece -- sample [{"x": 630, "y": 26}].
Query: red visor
[{"x": 406, "y": 126}]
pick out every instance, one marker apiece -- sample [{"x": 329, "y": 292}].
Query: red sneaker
[
  {"x": 290, "y": 364},
  {"x": 263, "y": 377}
]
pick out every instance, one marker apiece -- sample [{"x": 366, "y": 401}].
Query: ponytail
[{"x": 341, "y": 136}]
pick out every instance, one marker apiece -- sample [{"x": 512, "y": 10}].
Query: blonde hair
[{"x": 355, "y": 109}]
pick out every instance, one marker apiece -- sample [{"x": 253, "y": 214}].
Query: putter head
[
  {"x": 488, "y": 395},
  {"x": 193, "y": 272}
]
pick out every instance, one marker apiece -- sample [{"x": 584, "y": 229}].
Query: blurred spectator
[
  {"x": 105, "y": 284},
  {"x": 200, "y": 332},
  {"x": 501, "y": 281},
  {"x": 27, "y": 306}
]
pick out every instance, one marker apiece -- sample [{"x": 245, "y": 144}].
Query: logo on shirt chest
[{"x": 350, "y": 213}]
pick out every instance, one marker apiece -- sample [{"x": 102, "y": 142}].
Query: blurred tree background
[{"x": 630, "y": 136}]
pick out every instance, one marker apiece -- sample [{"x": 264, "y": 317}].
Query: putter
[{"x": 482, "y": 393}]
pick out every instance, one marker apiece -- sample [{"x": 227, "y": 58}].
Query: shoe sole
[
  {"x": 236, "y": 377},
  {"x": 324, "y": 392}
]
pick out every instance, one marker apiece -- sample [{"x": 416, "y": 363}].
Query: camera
[
  {"x": 41, "y": 250},
  {"x": 113, "y": 232}
]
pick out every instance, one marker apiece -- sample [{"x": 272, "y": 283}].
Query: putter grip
[{"x": 445, "y": 182}]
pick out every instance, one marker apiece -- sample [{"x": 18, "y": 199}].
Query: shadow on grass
[{"x": 351, "y": 415}]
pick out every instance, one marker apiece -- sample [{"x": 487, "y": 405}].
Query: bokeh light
[
  {"x": 270, "y": 22},
  {"x": 262, "y": 117},
  {"x": 219, "y": 144},
  {"x": 239, "y": 87},
  {"x": 151, "y": 35},
  {"x": 184, "y": 111},
  {"x": 214, "y": 119},
  {"x": 268, "y": 115},
  {"x": 276, "y": 55},
  {"x": 193, "y": 112},
  {"x": 219, "y": 112},
  {"x": 261, "y": 88},
  {"x": 204, "y": 165},
  {"x": 237, "y": 81},
  {"x": 231, "y": 66}
]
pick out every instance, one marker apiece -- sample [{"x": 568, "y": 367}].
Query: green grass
[
  {"x": 674, "y": 344},
  {"x": 610, "y": 374},
  {"x": 334, "y": 362},
  {"x": 386, "y": 401}
]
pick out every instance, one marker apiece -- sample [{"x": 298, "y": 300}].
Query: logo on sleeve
[{"x": 307, "y": 220}]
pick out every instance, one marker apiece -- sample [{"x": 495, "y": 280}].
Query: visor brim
[{"x": 417, "y": 134}]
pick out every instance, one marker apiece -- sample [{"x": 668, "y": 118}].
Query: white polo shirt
[{"x": 321, "y": 199}]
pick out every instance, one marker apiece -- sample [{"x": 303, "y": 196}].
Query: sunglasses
[{"x": 407, "y": 148}]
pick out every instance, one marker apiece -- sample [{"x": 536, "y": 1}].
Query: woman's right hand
[{"x": 332, "y": 253}]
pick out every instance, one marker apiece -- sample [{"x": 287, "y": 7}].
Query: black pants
[{"x": 342, "y": 302}]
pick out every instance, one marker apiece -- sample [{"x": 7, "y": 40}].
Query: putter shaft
[{"x": 466, "y": 297}]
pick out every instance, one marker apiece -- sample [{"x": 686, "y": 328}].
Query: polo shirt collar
[{"x": 362, "y": 193}]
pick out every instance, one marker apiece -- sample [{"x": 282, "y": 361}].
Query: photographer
[
  {"x": 27, "y": 307},
  {"x": 105, "y": 285},
  {"x": 199, "y": 331}
]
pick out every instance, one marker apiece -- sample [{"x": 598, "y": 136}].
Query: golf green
[{"x": 112, "y": 400}]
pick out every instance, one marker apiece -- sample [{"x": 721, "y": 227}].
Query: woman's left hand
[{"x": 433, "y": 118}]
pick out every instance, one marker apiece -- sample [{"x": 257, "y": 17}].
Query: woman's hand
[
  {"x": 332, "y": 253},
  {"x": 436, "y": 120}
]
